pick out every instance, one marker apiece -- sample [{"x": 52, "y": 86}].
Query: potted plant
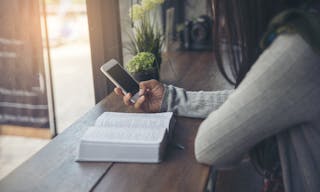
[
  {"x": 143, "y": 66},
  {"x": 147, "y": 35}
]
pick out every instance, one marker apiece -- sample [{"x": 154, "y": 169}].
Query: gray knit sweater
[{"x": 279, "y": 96}]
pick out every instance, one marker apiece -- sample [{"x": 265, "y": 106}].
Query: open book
[{"x": 127, "y": 137}]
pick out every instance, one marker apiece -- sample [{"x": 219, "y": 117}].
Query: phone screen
[{"x": 124, "y": 79}]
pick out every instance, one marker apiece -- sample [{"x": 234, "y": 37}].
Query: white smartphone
[{"x": 121, "y": 78}]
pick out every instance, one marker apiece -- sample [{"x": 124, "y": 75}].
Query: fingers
[
  {"x": 126, "y": 99},
  {"x": 139, "y": 102},
  {"x": 118, "y": 91},
  {"x": 141, "y": 92},
  {"x": 148, "y": 84}
]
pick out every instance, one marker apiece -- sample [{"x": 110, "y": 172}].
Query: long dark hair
[{"x": 239, "y": 27}]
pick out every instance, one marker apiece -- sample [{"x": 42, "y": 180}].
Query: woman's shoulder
[
  {"x": 285, "y": 52},
  {"x": 291, "y": 45},
  {"x": 290, "y": 41},
  {"x": 304, "y": 22}
]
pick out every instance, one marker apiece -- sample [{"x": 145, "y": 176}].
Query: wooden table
[{"x": 54, "y": 168}]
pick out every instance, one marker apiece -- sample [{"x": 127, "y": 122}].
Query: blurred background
[{"x": 66, "y": 47}]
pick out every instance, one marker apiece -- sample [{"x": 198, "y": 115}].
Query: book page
[
  {"x": 122, "y": 135},
  {"x": 134, "y": 120}
]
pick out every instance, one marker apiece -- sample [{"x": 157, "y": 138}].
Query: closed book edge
[{"x": 125, "y": 152}]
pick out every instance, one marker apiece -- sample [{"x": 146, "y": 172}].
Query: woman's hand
[{"x": 151, "y": 94}]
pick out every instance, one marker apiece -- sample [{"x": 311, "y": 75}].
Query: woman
[{"x": 274, "y": 112}]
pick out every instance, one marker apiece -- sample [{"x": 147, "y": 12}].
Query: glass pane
[{"x": 69, "y": 50}]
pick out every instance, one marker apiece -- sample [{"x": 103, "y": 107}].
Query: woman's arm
[
  {"x": 192, "y": 103},
  {"x": 281, "y": 90}
]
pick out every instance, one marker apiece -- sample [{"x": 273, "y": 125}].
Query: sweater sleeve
[
  {"x": 280, "y": 90},
  {"x": 196, "y": 104}
]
